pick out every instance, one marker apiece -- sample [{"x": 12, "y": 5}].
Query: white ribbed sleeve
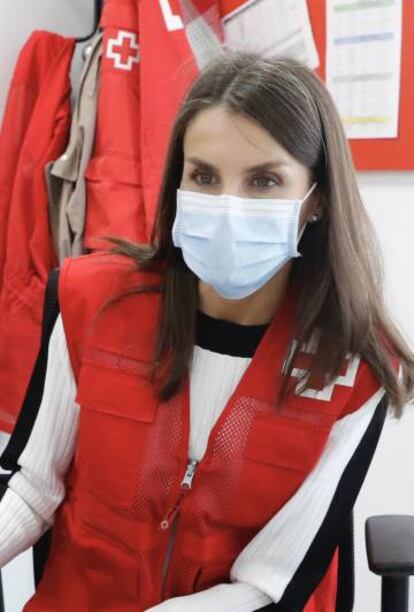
[{"x": 36, "y": 490}]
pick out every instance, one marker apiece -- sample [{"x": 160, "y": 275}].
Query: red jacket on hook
[
  {"x": 124, "y": 485},
  {"x": 151, "y": 54},
  {"x": 140, "y": 89},
  {"x": 113, "y": 177},
  {"x": 34, "y": 131}
]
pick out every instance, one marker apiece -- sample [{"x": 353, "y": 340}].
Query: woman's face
[{"x": 226, "y": 153}]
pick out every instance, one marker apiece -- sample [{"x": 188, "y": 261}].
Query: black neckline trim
[{"x": 226, "y": 337}]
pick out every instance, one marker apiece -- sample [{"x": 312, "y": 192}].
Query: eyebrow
[{"x": 265, "y": 166}]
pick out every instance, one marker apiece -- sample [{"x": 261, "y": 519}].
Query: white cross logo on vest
[
  {"x": 347, "y": 379},
  {"x": 124, "y": 50}
]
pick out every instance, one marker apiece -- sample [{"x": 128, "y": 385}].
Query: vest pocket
[
  {"x": 285, "y": 442},
  {"x": 279, "y": 454},
  {"x": 117, "y": 409}
]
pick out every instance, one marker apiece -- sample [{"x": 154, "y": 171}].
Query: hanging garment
[
  {"x": 34, "y": 63},
  {"x": 65, "y": 176},
  {"x": 35, "y": 131},
  {"x": 140, "y": 90},
  {"x": 35, "y": 60},
  {"x": 113, "y": 175},
  {"x": 124, "y": 486}
]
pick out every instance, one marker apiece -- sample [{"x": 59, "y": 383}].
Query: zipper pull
[
  {"x": 185, "y": 485},
  {"x": 189, "y": 474},
  {"x": 169, "y": 516}
]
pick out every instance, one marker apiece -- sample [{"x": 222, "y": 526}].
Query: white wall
[
  {"x": 18, "y": 19},
  {"x": 390, "y": 201},
  {"x": 389, "y": 488}
]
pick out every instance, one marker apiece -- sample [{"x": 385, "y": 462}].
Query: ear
[
  {"x": 316, "y": 209},
  {"x": 319, "y": 209},
  {"x": 318, "y": 203}
]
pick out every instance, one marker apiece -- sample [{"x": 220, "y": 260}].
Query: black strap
[
  {"x": 346, "y": 568},
  {"x": 34, "y": 393}
]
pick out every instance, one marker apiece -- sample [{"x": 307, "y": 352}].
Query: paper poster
[
  {"x": 272, "y": 27},
  {"x": 363, "y": 64}
]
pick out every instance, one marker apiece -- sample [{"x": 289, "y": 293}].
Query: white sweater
[{"x": 271, "y": 560}]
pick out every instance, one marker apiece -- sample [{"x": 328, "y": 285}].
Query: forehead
[{"x": 216, "y": 134}]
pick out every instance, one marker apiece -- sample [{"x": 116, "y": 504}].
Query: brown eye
[
  {"x": 202, "y": 177},
  {"x": 263, "y": 182}
]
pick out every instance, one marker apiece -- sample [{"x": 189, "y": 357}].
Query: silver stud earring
[{"x": 313, "y": 218}]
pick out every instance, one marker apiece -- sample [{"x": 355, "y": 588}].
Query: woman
[{"x": 213, "y": 400}]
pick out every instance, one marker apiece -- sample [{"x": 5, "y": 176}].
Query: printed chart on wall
[
  {"x": 362, "y": 49},
  {"x": 366, "y": 51},
  {"x": 363, "y": 59}
]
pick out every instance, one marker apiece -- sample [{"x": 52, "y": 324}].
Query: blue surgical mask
[{"x": 236, "y": 244}]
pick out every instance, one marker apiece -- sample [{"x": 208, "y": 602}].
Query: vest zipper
[
  {"x": 170, "y": 517},
  {"x": 185, "y": 486}
]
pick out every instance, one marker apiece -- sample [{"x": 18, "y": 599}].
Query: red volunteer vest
[{"x": 124, "y": 487}]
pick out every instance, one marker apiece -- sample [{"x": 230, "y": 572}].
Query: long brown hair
[{"x": 340, "y": 272}]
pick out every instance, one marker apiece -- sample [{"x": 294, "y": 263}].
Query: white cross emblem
[
  {"x": 127, "y": 45},
  {"x": 325, "y": 394}
]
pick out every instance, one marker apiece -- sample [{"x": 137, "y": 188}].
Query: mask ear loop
[
  {"x": 305, "y": 197},
  {"x": 301, "y": 202}
]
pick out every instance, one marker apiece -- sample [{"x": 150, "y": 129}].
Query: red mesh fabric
[
  {"x": 215, "y": 493},
  {"x": 159, "y": 466}
]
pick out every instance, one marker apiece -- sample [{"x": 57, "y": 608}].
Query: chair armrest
[{"x": 390, "y": 544}]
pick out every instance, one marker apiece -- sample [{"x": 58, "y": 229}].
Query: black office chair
[{"x": 390, "y": 549}]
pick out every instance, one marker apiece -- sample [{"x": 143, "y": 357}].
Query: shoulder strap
[{"x": 34, "y": 393}]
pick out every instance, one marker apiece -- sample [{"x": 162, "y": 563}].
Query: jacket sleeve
[
  {"x": 283, "y": 564},
  {"x": 38, "y": 454}
]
